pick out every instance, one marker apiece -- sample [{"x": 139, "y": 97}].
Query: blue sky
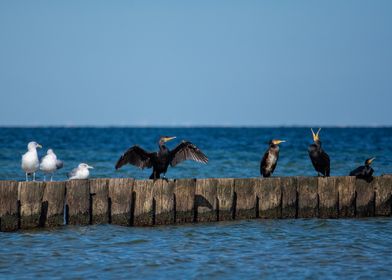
[{"x": 195, "y": 63}]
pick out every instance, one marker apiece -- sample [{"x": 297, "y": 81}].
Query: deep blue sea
[{"x": 270, "y": 249}]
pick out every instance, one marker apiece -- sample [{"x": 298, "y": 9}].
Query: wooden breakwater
[{"x": 129, "y": 202}]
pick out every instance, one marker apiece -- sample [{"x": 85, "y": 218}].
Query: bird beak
[
  {"x": 39, "y": 146},
  {"x": 90, "y": 167},
  {"x": 315, "y": 135},
  {"x": 167, "y": 139},
  {"x": 277, "y": 142},
  {"x": 371, "y": 160}
]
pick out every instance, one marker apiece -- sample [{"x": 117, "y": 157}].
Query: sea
[{"x": 250, "y": 249}]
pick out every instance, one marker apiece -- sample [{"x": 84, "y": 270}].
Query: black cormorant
[
  {"x": 270, "y": 158},
  {"x": 161, "y": 160},
  {"x": 364, "y": 172},
  {"x": 319, "y": 158}
]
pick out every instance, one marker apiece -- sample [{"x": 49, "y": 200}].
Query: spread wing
[
  {"x": 136, "y": 156},
  {"x": 184, "y": 151}
]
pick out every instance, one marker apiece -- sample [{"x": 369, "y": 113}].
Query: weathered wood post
[
  {"x": 289, "y": 197},
  {"x": 78, "y": 202},
  {"x": 269, "y": 192},
  {"x": 383, "y": 191},
  {"x": 184, "y": 200},
  {"x": 144, "y": 213},
  {"x": 120, "y": 197},
  {"x": 347, "y": 196},
  {"x": 163, "y": 195},
  {"x": 307, "y": 197},
  {"x": 215, "y": 199},
  {"x": 247, "y": 206},
  {"x": 328, "y": 197},
  {"x": 30, "y": 196},
  {"x": 8, "y": 205},
  {"x": 53, "y": 200},
  {"x": 365, "y": 205},
  {"x": 99, "y": 194}
]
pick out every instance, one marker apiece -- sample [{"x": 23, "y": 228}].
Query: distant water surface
[{"x": 233, "y": 152}]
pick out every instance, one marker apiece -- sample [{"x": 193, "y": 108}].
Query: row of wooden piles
[{"x": 129, "y": 202}]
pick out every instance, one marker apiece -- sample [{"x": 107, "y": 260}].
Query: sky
[{"x": 195, "y": 63}]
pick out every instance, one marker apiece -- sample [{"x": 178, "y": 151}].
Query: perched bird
[
  {"x": 270, "y": 158},
  {"x": 50, "y": 164},
  {"x": 30, "y": 161},
  {"x": 364, "y": 172},
  {"x": 80, "y": 172},
  {"x": 319, "y": 158},
  {"x": 161, "y": 160}
]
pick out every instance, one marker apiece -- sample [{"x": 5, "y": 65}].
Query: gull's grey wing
[
  {"x": 59, "y": 164},
  {"x": 72, "y": 173}
]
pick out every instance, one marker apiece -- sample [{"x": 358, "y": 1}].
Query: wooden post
[
  {"x": 30, "y": 197},
  {"x": 144, "y": 214},
  {"x": 328, "y": 197},
  {"x": 184, "y": 192},
  {"x": 270, "y": 193},
  {"x": 347, "y": 199},
  {"x": 206, "y": 200},
  {"x": 78, "y": 202},
  {"x": 120, "y": 195},
  {"x": 99, "y": 193},
  {"x": 53, "y": 200},
  {"x": 383, "y": 191},
  {"x": 365, "y": 198},
  {"x": 8, "y": 205},
  {"x": 163, "y": 194},
  {"x": 247, "y": 206},
  {"x": 307, "y": 197},
  {"x": 289, "y": 197}
]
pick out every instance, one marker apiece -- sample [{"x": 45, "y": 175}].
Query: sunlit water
[
  {"x": 285, "y": 249},
  {"x": 233, "y": 152}
]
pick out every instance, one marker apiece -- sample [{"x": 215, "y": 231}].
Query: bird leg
[
  {"x": 33, "y": 176},
  {"x": 27, "y": 177},
  {"x": 44, "y": 178},
  {"x": 164, "y": 178},
  {"x": 51, "y": 177}
]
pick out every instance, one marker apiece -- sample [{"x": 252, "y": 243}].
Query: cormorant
[
  {"x": 270, "y": 158},
  {"x": 319, "y": 158},
  {"x": 364, "y": 172},
  {"x": 161, "y": 160}
]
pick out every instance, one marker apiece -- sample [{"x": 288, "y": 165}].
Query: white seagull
[
  {"x": 50, "y": 163},
  {"x": 30, "y": 161},
  {"x": 81, "y": 172}
]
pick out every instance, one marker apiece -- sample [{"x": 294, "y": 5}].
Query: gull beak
[
  {"x": 90, "y": 167},
  {"x": 167, "y": 139},
  {"x": 39, "y": 146}
]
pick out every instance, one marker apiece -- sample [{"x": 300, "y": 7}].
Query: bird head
[
  {"x": 85, "y": 165},
  {"x": 316, "y": 135},
  {"x": 33, "y": 145},
  {"x": 369, "y": 161},
  {"x": 276, "y": 141},
  {"x": 50, "y": 152},
  {"x": 165, "y": 139}
]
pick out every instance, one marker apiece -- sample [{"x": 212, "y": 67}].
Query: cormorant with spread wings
[{"x": 160, "y": 161}]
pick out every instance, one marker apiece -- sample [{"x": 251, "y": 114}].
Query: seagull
[
  {"x": 81, "y": 172},
  {"x": 50, "y": 163},
  {"x": 30, "y": 161}
]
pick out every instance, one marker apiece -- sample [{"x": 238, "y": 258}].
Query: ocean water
[
  {"x": 233, "y": 152},
  {"x": 267, "y": 249}
]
